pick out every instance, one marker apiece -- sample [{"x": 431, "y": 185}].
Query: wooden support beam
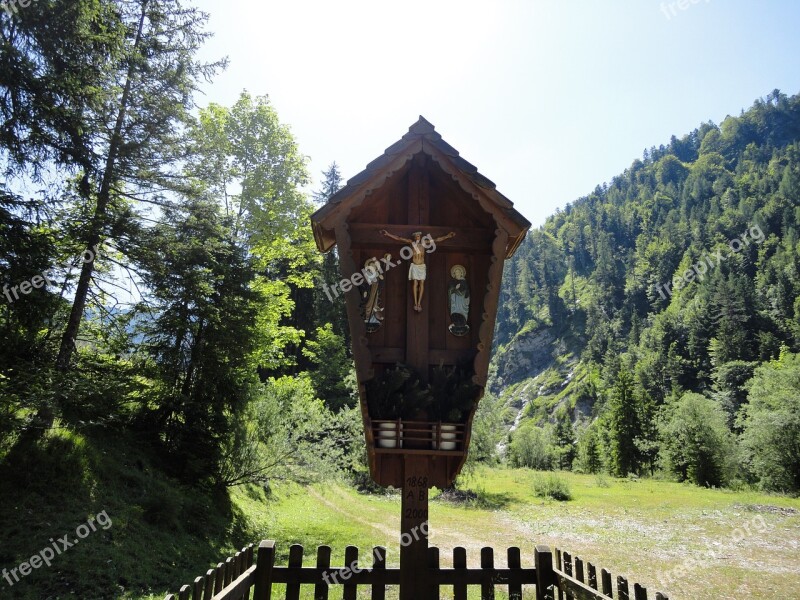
[{"x": 414, "y": 574}]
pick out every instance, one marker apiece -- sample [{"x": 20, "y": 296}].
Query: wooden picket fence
[{"x": 248, "y": 572}]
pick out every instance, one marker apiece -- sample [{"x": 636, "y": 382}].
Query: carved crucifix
[{"x": 417, "y": 272}]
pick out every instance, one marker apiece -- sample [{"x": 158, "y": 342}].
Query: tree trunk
[
  {"x": 69, "y": 339},
  {"x": 46, "y": 413}
]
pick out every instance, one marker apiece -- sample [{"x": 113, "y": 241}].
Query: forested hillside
[{"x": 656, "y": 318}]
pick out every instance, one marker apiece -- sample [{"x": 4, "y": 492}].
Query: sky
[{"x": 547, "y": 98}]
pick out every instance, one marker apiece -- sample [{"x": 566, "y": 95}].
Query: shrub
[{"x": 551, "y": 486}]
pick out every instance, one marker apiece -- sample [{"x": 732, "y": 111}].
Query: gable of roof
[{"x": 421, "y": 137}]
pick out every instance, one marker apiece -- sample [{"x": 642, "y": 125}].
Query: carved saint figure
[
  {"x": 372, "y": 294},
  {"x": 417, "y": 272},
  {"x": 458, "y": 296}
]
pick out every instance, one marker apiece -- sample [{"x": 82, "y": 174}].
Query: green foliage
[
  {"x": 488, "y": 431},
  {"x": 564, "y": 438},
  {"x": 696, "y": 442},
  {"x": 590, "y": 457},
  {"x": 532, "y": 447},
  {"x": 453, "y": 394},
  {"x": 327, "y": 352},
  {"x": 684, "y": 270},
  {"x": 397, "y": 393},
  {"x": 624, "y": 426},
  {"x": 771, "y": 424},
  {"x": 551, "y": 487}
]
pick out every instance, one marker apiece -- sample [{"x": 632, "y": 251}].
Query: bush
[{"x": 551, "y": 486}]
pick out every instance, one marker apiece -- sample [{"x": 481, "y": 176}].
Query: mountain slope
[{"x": 683, "y": 270}]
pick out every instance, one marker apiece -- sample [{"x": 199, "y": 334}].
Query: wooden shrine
[{"x": 422, "y": 237}]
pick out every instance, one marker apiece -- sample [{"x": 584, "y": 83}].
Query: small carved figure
[
  {"x": 458, "y": 296},
  {"x": 372, "y": 294},
  {"x": 417, "y": 272}
]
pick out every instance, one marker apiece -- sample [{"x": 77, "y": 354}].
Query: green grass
[
  {"x": 163, "y": 535},
  {"x": 642, "y": 529}
]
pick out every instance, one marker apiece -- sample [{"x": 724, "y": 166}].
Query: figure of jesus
[{"x": 417, "y": 272}]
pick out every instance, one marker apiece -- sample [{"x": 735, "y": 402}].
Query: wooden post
[
  {"x": 414, "y": 579},
  {"x": 264, "y": 563},
  {"x": 544, "y": 571}
]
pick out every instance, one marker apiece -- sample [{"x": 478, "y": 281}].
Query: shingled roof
[{"x": 421, "y": 137}]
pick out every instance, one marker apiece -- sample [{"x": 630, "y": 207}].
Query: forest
[
  {"x": 164, "y": 322},
  {"x": 669, "y": 300}
]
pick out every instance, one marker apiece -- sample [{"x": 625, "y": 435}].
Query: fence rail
[
  {"x": 576, "y": 580},
  {"x": 570, "y": 578}
]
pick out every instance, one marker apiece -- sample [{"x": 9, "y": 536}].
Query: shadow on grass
[
  {"x": 161, "y": 533},
  {"x": 480, "y": 498}
]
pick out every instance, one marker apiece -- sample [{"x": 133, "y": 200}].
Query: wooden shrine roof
[{"x": 421, "y": 137}]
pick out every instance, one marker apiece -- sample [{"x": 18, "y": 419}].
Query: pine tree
[
  {"x": 624, "y": 426},
  {"x": 564, "y": 439}
]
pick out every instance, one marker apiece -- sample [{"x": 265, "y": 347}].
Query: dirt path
[{"x": 443, "y": 537}]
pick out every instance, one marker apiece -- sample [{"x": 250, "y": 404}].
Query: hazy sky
[{"x": 547, "y": 98}]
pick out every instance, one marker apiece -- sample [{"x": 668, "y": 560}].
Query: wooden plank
[
  {"x": 660, "y": 596},
  {"x": 559, "y": 567},
  {"x": 265, "y": 561},
  {"x": 324, "y": 563},
  {"x": 543, "y": 560},
  {"x": 350, "y": 589},
  {"x": 639, "y": 592},
  {"x": 229, "y": 566},
  {"x": 238, "y": 586},
  {"x": 208, "y": 590},
  {"x": 514, "y": 562},
  {"x": 487, "y": 564},
  {"x": 197, "y": 588},
  {"x": 592, "y": 576},
  {"x": 575, "y": 588},
  {"x": 378, "y": 564},
  {"x": 622, "y": 588},
  {"x": 433, "y": 567},
  {"x": 568, "y": 572},
  {"x": 414, "y": 528},
  {"x": 295, "y": 561},
  {"x": 606, "y": 577},
  {"x": 219, "y": 578},
  {"x": 460, "y": 565},
  {"x": 467, "y": 239},
  {"x": 247, "y": 562},
  {"x": 184, "y": 592},
  {"x": 444, "y": 577},
  {"x": 238, "y": 561},
  {"x": 417, "y": 322},
  {"x": 579, "y": 570},
  {"x": 489, "y": 304}
]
